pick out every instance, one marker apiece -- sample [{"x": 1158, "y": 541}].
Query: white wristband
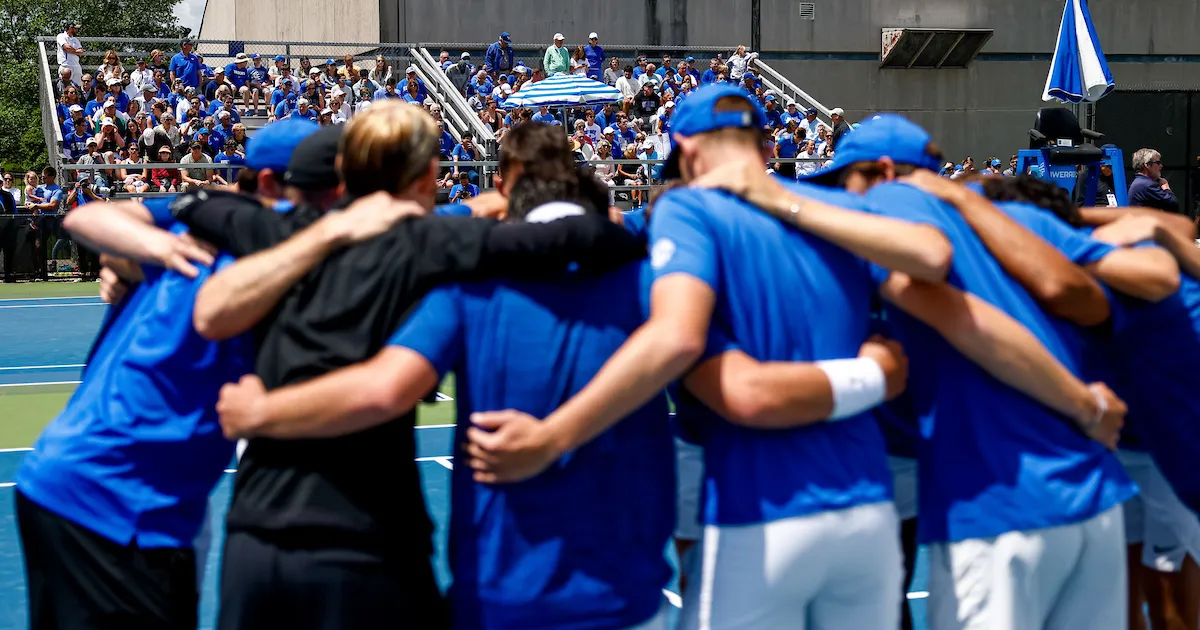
[{"x": 858, "y": 385}]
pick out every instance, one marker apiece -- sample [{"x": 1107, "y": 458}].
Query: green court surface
[
  {"x": 26, "y": 408},
  {"x": 38, "y": 290}
]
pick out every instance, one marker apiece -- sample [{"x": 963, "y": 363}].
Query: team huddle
[{"x": 868, "y": 360}]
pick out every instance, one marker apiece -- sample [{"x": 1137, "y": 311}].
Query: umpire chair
[{"x": 1058, "y": 147}]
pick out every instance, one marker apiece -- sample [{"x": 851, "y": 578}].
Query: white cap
[
  {"x": 326, "y": 111},
  {"x": 506, "y": 88},
  {"x": 410, "y": 69},
  {"x": 241, "y": 57},
  {"x": 91, "y": 140},
  {"x": 520, "y": 69},
  {"x": 837, "y": 111},
  {"x": 669, "y": 104},
  {"x": 593, "y": 35},
  {"x": 302, "y": 101},
  {"x": 75, "y": 108},
  {"x": 113, "y": 81},
  {"x": 336, "y": 92},
  {"x": 558, "y": 36},
  {"x": 107, "y": 122},
  {"x": 465, "y": 55},
  {"x": 647, "y": 145},
  {"x": 110, "y": 101},
  {"x": 314, "y": 70},
  {"x": 608, "y": 130}
]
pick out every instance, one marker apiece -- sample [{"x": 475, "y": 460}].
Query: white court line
[
  {"x": 436, "y": 426},
  {"x": 15, "y": 450},
  {"x": 44, "y": 367},
  {"x": 52, "y": 305},
  {"x": 918, "y": 595},
  {"x": 8, "y": 484},
  {"x": 36, "y": 384},
  {"x": 673, "y": 598},
  {"x": 77, "y": 297}
]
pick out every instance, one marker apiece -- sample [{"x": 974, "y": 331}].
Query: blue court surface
[{"x": 45, "y": 341}]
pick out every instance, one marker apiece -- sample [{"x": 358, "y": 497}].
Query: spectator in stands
[
  {"x": 410, "y": 76},
  {"x": 185, "y": 65},
  {"x": 612, "y": 72},
  {"x": 1149, "y": 188},
  {"x": 630, "y": 174},
  {"x": 651, "y": 76},
  {"x": 134, "y": 179},
  {"x": 110, "y": 67},
  {"x": 305, "y": 67},
  {"x": 229, "y": 155},
  {"x": 47, "y": 197},
  {"x": 466, "y": 151},
  {"x": 205, "y": 71},
  {"x": 595, "y": 57},
  {"x": 646, "y": 104},
  {"x": 967, "y": 169},
  {"x": 8, "y": 202},
  {"x": 111, "y": 136},
  {"x": 258, "y": 81},
  {"x": 68, "y": 51},
  {"x": 166, "y": 179},
  {"x": 625, "y": 136},
  {"x": 64, "y": 80},
  {"x": 739, "y": 63},
  {"x": 218, "y": 81},
  {"x": 460, "y": 73},
  {"x": 79, "y": 123},
  {"x": 75, "y": 143},
  {"x": 381, "y": 72},
  {"x": 311, "y": 92},
  {"x": 629, "y": 87},
  {"x": 12, "y": 189},
  {"x": 412, "y": 94},
  {"x": 499, "y": 56},
  {"x": 195, "y": 178},
  {"x": 202, "y": 137},
  {"x": 304, "y": 110},
  {"x": 238, "y": 76},
  {"x": 116, "y": 94},
  {"x": 341, "y": 111},
  {"x": 30, "y": 194},
  {"x": 141, "y": 77},
  {"x": 579, "y": 62},
  {"x": 364, "y": 99},
  {"x": 464, "y": 189},
  {"x": 556, "y": 59},
  {"x": 330, "y": 78},
  {"x": 480, "y": 84},
  {"x": 840, "y": 126}
]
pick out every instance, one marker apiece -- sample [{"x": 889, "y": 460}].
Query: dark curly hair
[{"x": 1030, "y": 189}]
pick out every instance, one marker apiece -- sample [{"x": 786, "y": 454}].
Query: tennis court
[{"x": 46, "y": 330}]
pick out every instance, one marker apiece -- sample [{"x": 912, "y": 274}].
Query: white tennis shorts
[
  {"x": 904, "y": 486},
  {"x": 829, "y": 571},
  {"x": 1059, "y": 578},
  {"x": 1167, "y": 529}
]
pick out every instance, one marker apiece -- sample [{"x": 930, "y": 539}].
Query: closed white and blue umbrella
[
  {"x": 564, "y": 90},
  {"x": 1078, "y": 73}
]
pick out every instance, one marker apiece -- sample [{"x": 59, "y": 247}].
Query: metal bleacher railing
[{"x": 457, "y": 113}]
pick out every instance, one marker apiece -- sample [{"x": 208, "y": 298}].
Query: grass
[
  {"x": 21, "y": 290},
  {"x": 27, "y": 410}
]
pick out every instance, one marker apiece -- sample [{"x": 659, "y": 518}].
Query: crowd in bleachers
[{"x": 172, "y": 107}]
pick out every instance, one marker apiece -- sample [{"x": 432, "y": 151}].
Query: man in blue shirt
[
  {"x": 116, "y": 487},
  {"x": 238, "y": 74},
  {"x": 802, "y": 485},
  {"x": 1002, "y": 477},
  {"x": 594, "y": 53},
  {"x": 185, "y": 65}
]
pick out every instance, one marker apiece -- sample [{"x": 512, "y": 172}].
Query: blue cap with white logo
[
  {"x": 273, "y": 145},
  {"x": 883, "y": 135},
  {"x": 505, "y": 36},
  {"x": 695, "y": 115}
]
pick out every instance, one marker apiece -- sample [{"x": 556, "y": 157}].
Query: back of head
[
  {"x": 1031, "y": 190},
  {"x": 387, "y": 148},
  {"x": 537, "y": 149},
  {"x": 582, "y": 189}
]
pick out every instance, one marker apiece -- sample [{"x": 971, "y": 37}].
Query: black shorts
[
  {"x": 77, "y": 579},
  {"x": 288, "y": 584}
]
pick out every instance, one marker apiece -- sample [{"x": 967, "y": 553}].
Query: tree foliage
[{"x": 22, "y": 143}]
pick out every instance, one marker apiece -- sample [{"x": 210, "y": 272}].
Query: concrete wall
[{"x": 292, "y": 20}]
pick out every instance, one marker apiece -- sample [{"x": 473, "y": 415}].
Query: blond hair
[{"x": 387, "y": 147}]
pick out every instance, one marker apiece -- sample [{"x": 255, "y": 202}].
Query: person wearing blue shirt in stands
[
  {"x": 716, "y": 260},
  {"x": 116, "y": 487},
  {"x": 499, "y": 56},
  {"x": 185, "y": 65},
  {"x": 238, "y": 74},
  {"x": 594, "y": 53},
  {"x": 1001, "y": 476},
  {"x": 464, "y": 189}
]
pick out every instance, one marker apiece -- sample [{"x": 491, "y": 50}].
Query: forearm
[
  {"x": 1182, "y": 248},
  {"x": 120, "y": 228},
  {"x": 918, "y": 250},
  {"x": 773, "y": 395},
  {"x": 235, "y": 299},
  {"x": 1148, "y": 273},
  {"x": 995, "y": 342},
  {"x": 649, "y": 360},
  {"x": 346, "y": 401},
  {"x": 1059, "y": 285}
]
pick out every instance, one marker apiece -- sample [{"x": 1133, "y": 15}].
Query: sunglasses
[{"x": 1152, "y": 162}]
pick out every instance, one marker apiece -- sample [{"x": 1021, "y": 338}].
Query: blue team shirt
[
  {"x": 453, "y": 210},
  {"x": 550, "y": 553},
  {"x": 187, "y": 68},
  {"x": 781, "y": 295},
  {"x": 138, "y": 448},
  {"x": 993, "y": 460},
  {"x": 237, "y": 76}
]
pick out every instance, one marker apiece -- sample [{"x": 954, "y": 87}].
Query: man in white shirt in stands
[{"x": 69, "y": 49}]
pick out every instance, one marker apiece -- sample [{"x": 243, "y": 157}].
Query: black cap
[{"x": 312, "y": 163}]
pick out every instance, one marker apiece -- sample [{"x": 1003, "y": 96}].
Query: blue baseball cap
[
  {"x": 255, "y": 56},
  {"x": 280, "y": 58},
  {"x": 505, "y": 36},
  {"x": 883, "y": 135},
  {"x": 273, "y": 145},
  {"x": 695, "y": 116},
  {"x": 690, "y": 59}
]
